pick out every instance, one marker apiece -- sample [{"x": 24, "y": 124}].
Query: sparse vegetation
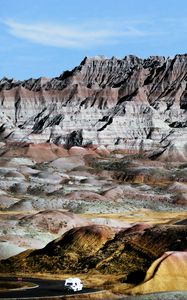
[
  {"x": 12, "y": 285},
  {"x": 87, "y": 249},
  {"x": 104, "y": 257}
]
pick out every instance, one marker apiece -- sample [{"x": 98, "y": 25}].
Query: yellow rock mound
[{"x": 168, "y": 273}]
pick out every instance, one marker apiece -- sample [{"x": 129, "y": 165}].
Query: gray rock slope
[{"x": 131, "y": 104}]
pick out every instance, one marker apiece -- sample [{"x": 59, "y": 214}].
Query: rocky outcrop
[
  {"x": 34, "y": 230},
  {"x": 168, "y": 273},
  {"x": 130, "y": 104}
]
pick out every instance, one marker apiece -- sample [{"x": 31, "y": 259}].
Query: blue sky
[{"x": 46, "y": 37}]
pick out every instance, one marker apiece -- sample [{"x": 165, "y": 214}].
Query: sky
[{"x": 47, "y": 37}]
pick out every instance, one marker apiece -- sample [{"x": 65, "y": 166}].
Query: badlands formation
[
  {"x": 93, "y": 173},
  {"x": 138, "y": 105}
]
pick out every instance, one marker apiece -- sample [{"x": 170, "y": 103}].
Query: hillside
[{"x": 128, "y": 252}]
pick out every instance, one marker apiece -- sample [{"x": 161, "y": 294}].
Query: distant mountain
[{"x": 132, "y": 104}]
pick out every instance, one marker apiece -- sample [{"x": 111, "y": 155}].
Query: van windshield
[{"x": 69, "y": 283}]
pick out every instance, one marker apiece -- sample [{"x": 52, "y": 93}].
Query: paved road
[{"x": 46, "y": 288}]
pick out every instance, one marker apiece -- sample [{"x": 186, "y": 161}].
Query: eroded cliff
[{"x": 133, "y": 104}]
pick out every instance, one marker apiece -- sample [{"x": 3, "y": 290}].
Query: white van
[{"x": 73, "y": 284}]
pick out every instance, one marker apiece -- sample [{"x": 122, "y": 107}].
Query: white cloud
[{"x": 74, "y": 36}]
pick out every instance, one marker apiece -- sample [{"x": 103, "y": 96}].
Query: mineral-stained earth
[{"x": 93, "y": 173}]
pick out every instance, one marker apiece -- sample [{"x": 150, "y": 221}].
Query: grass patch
[
  {"x": 141, "y": 216},
  {"x": 13, "y": 285}
]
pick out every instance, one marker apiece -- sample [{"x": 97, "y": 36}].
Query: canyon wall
[{"x": 130, "y": 104}]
